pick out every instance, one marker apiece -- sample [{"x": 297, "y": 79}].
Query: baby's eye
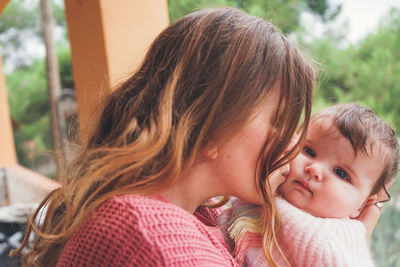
[
  {"x": 342, "y": 174},
  {"x": 309, "y": 151}
]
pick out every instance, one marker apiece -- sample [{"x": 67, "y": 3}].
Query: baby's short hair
[{"x": 366, "y": 133}]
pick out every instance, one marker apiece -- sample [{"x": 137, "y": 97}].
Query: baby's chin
[{"x": 316, "y": 213}]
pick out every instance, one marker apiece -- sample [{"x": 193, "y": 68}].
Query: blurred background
[{"x": 355, "y": 43}]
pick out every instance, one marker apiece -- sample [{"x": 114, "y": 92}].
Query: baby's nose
[{"x": 314, "y": 171}]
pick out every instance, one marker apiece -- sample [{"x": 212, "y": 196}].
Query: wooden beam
[
  {"x": 27, "y": 186},
  {"x": 3, "y": 4},
  {"x": 8, "y": 156},
  {"x": 108, "y": 40}
]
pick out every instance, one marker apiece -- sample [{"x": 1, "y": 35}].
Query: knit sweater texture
[
  {"x": 312, "y": 241},
  {"x": 134, "y": 230}
]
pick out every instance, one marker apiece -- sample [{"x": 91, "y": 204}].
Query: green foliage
[
  {"x": 65, "y": 67},
  {"x": 323, "y": 10},
  {"x": 59, "y": 13},
  {"x": 18, "y": 22},
  {"x": 27, "y": 87},
  {"x": 18, "y": 16},
  {"x": 284, "y": 14},
  {"x": 179, "y": 8},
  {"x": 368, "y": 73},
  {"x": 385, "y": 241},
  {"x": 21, "y": 21},
  {"x": 29, "y": 108}
]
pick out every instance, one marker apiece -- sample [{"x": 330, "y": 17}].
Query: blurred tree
[
  {"x": 64, "y": 60},
  {"x": 26, "y": 84},
  {"x": 179, "y": 8},
  {"x": 20, "y": 22},
  {"x": 368, "y": 72},
  {"x": 284, "y": 14},
  {"x": 323, "y": 9},
  {"x": 385, "y": 241},
  {"x": 53, "y": 86},
  {"x": 29, "y": 110}
]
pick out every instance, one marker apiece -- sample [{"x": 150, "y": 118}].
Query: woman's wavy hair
[{"x": 201, "y": 79}]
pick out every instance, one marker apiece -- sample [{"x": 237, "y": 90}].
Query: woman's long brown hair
[{"x": 202, "y": 78}]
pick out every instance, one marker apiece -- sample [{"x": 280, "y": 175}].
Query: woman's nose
[{"x": 314, "y": 171}]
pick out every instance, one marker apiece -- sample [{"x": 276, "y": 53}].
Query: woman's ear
[
  {"x": 210, "y": 150},
  {"x": 371, "y": 199}
]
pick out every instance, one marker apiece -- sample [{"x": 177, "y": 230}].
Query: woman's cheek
[{"x": 278, "y": 177}]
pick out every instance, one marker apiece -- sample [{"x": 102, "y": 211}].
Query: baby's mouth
[{"x": 303, "y": 185}]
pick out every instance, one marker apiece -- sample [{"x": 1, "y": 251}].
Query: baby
[{"x": 348, "y": 157}]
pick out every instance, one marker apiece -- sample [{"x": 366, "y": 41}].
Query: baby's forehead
[{"x": 326, "y": 127}]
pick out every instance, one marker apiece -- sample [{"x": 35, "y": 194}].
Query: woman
[{"x": 209, "y": 113}]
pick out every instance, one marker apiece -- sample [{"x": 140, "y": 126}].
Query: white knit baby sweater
[{"x": 313, "y": 241}]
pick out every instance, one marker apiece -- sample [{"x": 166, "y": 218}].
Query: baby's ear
[{"x": 371, "y": 199}]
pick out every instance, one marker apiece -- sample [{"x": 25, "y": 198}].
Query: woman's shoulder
[
  {"x": 158, "y": 208},
  {"x": 142, "y": 208},
  {"x": 152, "y": 217},
  {"x": 151, "y": 210},
  {"x": 112, "y": 235},
  {"x": 142, "y": 230}
]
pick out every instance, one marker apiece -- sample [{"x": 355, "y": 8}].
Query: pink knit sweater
[{"x": 139, "y": 231}]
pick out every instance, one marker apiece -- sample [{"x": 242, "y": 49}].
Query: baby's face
[{"x": 327, "y": 179}]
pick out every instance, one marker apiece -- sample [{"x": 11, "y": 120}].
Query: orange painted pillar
[
  {"x": 7, "y": 151},
  {"x": 8, "y": 156},
  {"x": 108, "y": 40},
  {"x": 3, "y": 4}
]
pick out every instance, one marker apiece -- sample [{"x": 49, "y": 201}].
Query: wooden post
[
  {"x": 3, "y": 4},
  {"x": 8, "y": 156},
  {"x": 108, "y": 40}
]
